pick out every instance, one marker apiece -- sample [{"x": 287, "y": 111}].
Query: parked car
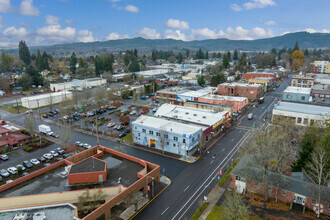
[
  {"x": 3, "y": 122},
  {"x": 4, "y": 173},
  {"x": 12, "y": 170},
  {"x": 54, "y": 153},
  {"x": 60, "y": 150},
  {"x": 51, "y": 114},
  {"x": 121, "y": 135},
  {"x": 119, "y": 127},
  {"x": 87, "y": 146},
  {"x": 42, "y": 159},
  {"x": 250, "y": 116},
  {"x": 27, "y": 164},
  {"x": 4, "y": 157},
  {"x": 127, "y": 131},
  {"x": 154, "y": 110},
  {"x": 78, "y": 143},
  {"x": 48, "y": 156},
  {"x": 35, "y": 161},
  {"x": 133, "y": 112},
  {"x": 29, "y": 111},
  {"x": 111, "y": 124},
  {"x": 22, "y": 167},
  {"x": 45, "y": 116},
  {"x": 9, "y": 181},
  {"x": 25, "y": 173}
]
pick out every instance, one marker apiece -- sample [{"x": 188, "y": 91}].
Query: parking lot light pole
[{"x": 97, "y": 133}]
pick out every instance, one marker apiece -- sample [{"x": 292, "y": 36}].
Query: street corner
[{"x": 165, "y": 180}]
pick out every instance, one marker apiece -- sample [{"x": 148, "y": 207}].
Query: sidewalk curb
[{"x": 150, "y": 201}]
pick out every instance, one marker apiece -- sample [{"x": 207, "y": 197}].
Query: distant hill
[{"x": 305, "y": 40}]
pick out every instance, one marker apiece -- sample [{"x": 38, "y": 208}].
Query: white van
[{"x": 250, "y": 116}]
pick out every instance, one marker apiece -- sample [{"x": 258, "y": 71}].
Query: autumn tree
[
  {"x": 124, "y": 119},
  {"x": 297, "y": 59}
]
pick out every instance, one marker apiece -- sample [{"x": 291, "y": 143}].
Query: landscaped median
[
  {"x": 199, "y": 211},
  {"x": 227, "y": 174}
]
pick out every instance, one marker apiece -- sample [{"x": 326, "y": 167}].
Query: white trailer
[{"x": 45, "y": 129}]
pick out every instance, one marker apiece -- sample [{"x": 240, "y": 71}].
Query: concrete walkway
[{"x": 212, "y": 198}]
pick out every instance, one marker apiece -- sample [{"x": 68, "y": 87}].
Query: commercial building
[
  {"x": 169, "y": 95},
  {"x": 163, "y": 134},
  {"x": 269, "y": 74},
  {"x": 305, "y": 81},
  {"x": 212, "y": 122},
  {"x": 266, "y": 82},
  {"x": 251, "y": 91},
  {"x": 296, "y": 94},
  {"x": 303, "y": 114},
  {"x": 238, "y": 103},
  {"x": 194, "y": 95},
  {"x": 297, "y": 189},
  {"x": 78, "y": 84},
  {"x": 321, "y": 66},
  {"x": 46, "y": 99},
  {"x": 9, "y": 138},
  {"x": 210, "y": 106}
]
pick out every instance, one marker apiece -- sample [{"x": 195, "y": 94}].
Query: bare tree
[
  {"x": 318, "y": 169},
  {"x": 235, "y": 207},
  {"x": 30, "y": 124},
  {"x": 100, "y": 95},
  {"x": 65, "y": 134}
]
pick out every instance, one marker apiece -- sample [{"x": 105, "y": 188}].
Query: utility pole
[
  {"x": 97, "y": 132},
  {"x": 38, "y": 108},
  {"x": 17, "y": 106}
]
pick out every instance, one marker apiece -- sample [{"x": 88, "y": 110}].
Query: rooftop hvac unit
[
  {"x": 195, "y": 114},
  {"x": 204, "y": 116}
]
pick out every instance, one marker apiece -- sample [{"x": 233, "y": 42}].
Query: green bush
[
  {"x": 25, "y": 132},
  {"x": 227, "y": 174},
  {"x": 35, "y": 140},
  {"x": 19, "y": 170},
  {"x": 199, "y": 211},
  {"x": 27, "y": 148}
]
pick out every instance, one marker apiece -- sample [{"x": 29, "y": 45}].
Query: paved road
[{"x": 190, "y": 182}]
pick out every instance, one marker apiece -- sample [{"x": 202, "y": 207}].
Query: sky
[{"x": 48, "y": 22}]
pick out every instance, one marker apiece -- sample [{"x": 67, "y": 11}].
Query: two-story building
[
  {"x": 305, "y": 81},
  {"x": 251, "y": 91},
  {"x": 163, "y": 134},
  {"x": 296, "y": 94},
  {"x": 169, "y": 95}
]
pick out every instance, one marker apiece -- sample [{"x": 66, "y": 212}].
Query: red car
[{"x": 2, "y": 122}]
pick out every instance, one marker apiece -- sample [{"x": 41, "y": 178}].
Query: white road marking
[
  {"x": 232, "y": 139},
  {"x": 164, "y": 210},
  {"x": 186, "y": 188},
  {"x": 223, "y": 149},
  {"x": 212, "y": 161},
  {"x": 210, "y": 176},
  {"x": 243, "y": 117}
]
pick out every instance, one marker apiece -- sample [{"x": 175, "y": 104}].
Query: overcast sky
[{"x": 44, "y": 22}]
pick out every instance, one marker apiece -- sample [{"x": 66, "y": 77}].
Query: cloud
[
  {"x": 5, "y": 6},
  {"x": 149, "y": 33},
  {"x": 239, "y": 33},
  {"x": 236, "y": 7},
  {"x": 57, "y": 33},
  {"x": 69, "y": 22},
  {"x": 270, "y": 23},
  {"x": 203, "y": 33},
  {"x": 1, "y": 23},
  {"x": 28, "y": 9},
  {"x": 311, "y": 30},
  {"x": 132, "y": 8},
  {"x": 15, "y": 32},
  {"x": 52, "y": 20},
  {"x": 114, "y": 0},
  {"x": 176, "y": 35},
  {"x": 258, "y": 4},
  {"x": 85, "y": 36},
  {"x": 22, "y": 24},
  {"x": 115, "y": 36},
  {"x": 177, "y": 24}
]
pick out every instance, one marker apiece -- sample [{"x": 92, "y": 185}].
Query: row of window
[{"x": 165, "y": 135}]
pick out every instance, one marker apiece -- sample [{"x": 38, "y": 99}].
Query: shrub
[
  {"x": 19, "y": 170},
  {"x": 27, "y": 148},
  {"x": 35, "y": 140},
  {"x": 25, "y": 132}
]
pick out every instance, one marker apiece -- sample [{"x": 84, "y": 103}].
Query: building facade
[
  {"x": 304, "y": 81},
  {"x": 266, "y": 82},
  {"x": 296, "y": 94},
  {"x": 46, "y": 99},
  {"x": 253, "y": 91},
  {"x": 321, "y": 67},
  {"x": 163, "y": 134}
]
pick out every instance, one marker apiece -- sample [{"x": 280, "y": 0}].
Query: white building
[
  {"x": 303, "y": 114},
  {"x": 162, "y": 134},
  {"x": 46, "y": 99},
  {"x": 78, "y": 84},
  {"x": 322, "y": 66}
]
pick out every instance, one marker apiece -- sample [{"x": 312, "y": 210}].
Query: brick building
[
  {"x": 253, "y": 75},
  {"x": 251, "y": 91},
  {"x": 9, "y": 138},
  {"x": 238, "y": 103},
  {"x": 297, "y": 189}
]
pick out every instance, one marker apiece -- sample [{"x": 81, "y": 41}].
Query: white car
[
  {"x": 48, "y": 156},
  {"x": 87, "y": 146},
  {"x": 12, "y": 170},
  {"x": 35, "y": 161},
  {"x": 20, "y": 165},
  {"x": 78, "y": 143},
  {"x": 111, "y": 125},
  {"x": 154, "y": 110},
  {"x": 4, "y": 157},
  {"x": 29, "y": 111},
  {"x": 54, "y": 153},
  {"x": 133, "y": 112}
]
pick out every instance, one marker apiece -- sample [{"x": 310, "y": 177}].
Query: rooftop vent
[
  {"x": 195, "y": 114},
  {"x": 187, "y": 113},
  {"x": 204, "y": 116}
]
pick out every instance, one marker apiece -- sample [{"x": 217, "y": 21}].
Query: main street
[{"x": 190, "y": 182}]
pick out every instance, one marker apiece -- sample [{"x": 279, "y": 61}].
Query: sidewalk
[{"x": 213, "y": 197}]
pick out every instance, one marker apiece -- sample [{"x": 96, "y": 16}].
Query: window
[
  {"x": 173, "y": 145},
  {"x": 165, "y": 136},
  {"x": 139, "y": 134},
  {"x": 135, "y": 127},
  {"x": 287, "y": 96},
  {"x": 183, "y": 140},
  {"x": 283, "y": 192},
  {"x": 299, "y": 120},
  {"x": 151, "y": 132},
  {"x": 167, "y": 143},
  {"x": 193, "y": 139},
  {"x": 305, "y": 121},
  {"x": 175, "y": 138},
  {"x": 144, "y": 130},
  {"x": 302, "y": 97},
  {"x": 157, "y": 134},
  {"x": 313, "y": 201}
]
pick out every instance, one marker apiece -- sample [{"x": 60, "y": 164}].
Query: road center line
[
  {"x": 186, "y": 188},
  {"x": 164, "y": 210}
]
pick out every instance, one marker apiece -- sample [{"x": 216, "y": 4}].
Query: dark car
[
  {"x": 55, "y": 112},
  {"x": 122, "y": 135},
  {"x": 27, "y": 164},
  {"x": 99, "y": 112},
  {"x": 45, "y": 116},
  {"x": 127, "y": 131},
  {"x": 76, "y": 118},
  {"x": 42, "y": 159},
  {"x": 51, "y": 114}
]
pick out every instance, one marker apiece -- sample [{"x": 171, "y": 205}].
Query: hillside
[{"x": 305, "y": 39}]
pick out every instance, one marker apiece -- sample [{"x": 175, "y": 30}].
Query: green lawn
[
  {"x": 199, "y": 211},
  {"x": 218, "y": 212},
  {"x": 128, "y": 138},
  {"x": 13, "y": 109}
]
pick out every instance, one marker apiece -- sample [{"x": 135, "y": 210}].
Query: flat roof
[
  {"x": 223, "y": 97},
  {"x": 301, "y": 90},
  {"x": 91, "y": 164},
  {"x": 303, "y": 108},
  {"x": 165, "y": 124},
  {"x": 262, "y": 78},
  {"x": 210, "y": 104},
  {"x": 323, "y": 91},
  {"x": 193, "y": 115},
  {"x": 268, "y": 73},
  {"x": 241, "y": 84},
  {"x": 42, "y": 96},
  {"x": 152, "y": 72},
  {"x": 174, "y": 90}
]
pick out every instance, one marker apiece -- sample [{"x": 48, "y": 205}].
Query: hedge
[
  {"x": 27, "y": 148},
  {"x": 227, "y": 174},
  {"x": 199, "y": 211}
]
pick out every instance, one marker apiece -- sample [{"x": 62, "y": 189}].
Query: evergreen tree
[
  {"x": 135, "y": 53},
  {"x": 306, "y": 53},
  {"x": 153, "y": 56},
  {"x": 126, "y": 59},
  {"x": 235, "y": 56},
  {"x": 229, "y": 56},
  {"x": 73, "y": 62},
  {"x": 179, "y": 57},
  {"x": 225, "y": 61},
  {"x": 219, "y": 55},
  {"x": 201, "y": 81},
  {"x": 24, "y": 53},
  {"x": 218, "y": 79},
  {"x": 98, "y": 65},
  {"x": 39, "y": 62},
  {"x": 207, "y": 55},
  {"x": 107, "y": 64},
  {"x": 45, "y": 61},
  {"x": 82, "y": 63},
  {"x": 187, "y": 53},
  {"x": 199, "y": 54},
  {"x": 134, "y": 66},
  {"x": 296, "y": 47},
  {"x": 6, "y": 62}
]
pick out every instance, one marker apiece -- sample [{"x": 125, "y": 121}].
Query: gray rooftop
[
  {"x": 300, "y": 186},
  {"x": 89, "y": 165},
  {"x": 303, "y": 108}
]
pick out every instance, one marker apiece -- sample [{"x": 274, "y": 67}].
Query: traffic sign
[
  {"x": 148, "y": 188},
  {"x": 220, "y": 171}
]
